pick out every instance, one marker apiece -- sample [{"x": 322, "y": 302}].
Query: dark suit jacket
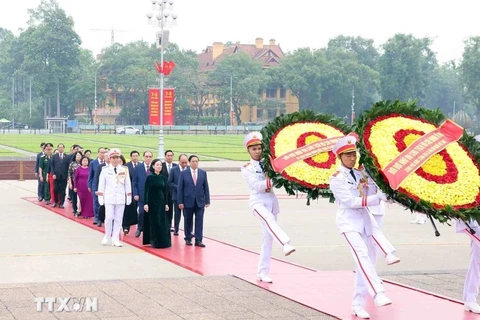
[
  {"x": 60, "y": 167},
  {"x": 173, "y": 181},
  {"x": 39, "y": 155},
  {"x": 189, "y": 193},
  {"x": 96, "y": 178},
  {"x": 139, "y": 178},
  {"x": 92, "y": 166},
  {"x": 164, "y": 172},
  {"x": 131, "y": 170}
]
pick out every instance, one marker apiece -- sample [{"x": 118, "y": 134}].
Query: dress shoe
[
  {"x": 40, "y": 199},
  {"x": 264, "y": 278},
  {"x": 391, "y": 259},
  {"x": 188, "y": 242},
  {"x": 47, "y": 203},
  {"x": 61, "y": 206},
  {"x": 100, "y": 224},
  {"x": 382, "y": 300},
  {"x": 360, "y": 312},
  {"x": 199, "y": 244},
  {"x": 175, "y": 233},
  {"x": 126, "y": 231},
  {"x": 116, "y": 243},
  {"x": 104, "y": 241},
  {"x": 288, "y": 249},
  {"x": 54, "y": 205},
  {"x": 472, "y": 307},
  {"x": 95, "y": 222},
  {"x": 138, "y": 233}
]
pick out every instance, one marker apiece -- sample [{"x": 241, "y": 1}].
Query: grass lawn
[{"x": 211, "y": 147}]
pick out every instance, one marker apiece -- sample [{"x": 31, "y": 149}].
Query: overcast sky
[{"x": 294, "y": 24}]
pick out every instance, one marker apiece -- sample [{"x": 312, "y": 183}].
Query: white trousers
[
  {"x": 472, "y": 281},
  {"x": 374, "y": 245},
  {"x": 364, "y": 255},
  {"x": 271, "y": 231},
  {"x": 113, "y": 220}
]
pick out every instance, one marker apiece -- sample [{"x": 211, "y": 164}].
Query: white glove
[
  {"x": 382, "y": 196},
  {"x": 101, "y": 201},
  {"x": 129, "y": 200}
]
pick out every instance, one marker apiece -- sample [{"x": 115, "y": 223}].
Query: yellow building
[
  {"x": 273, "y": 100},
  {"x": 107, "y": 110}
]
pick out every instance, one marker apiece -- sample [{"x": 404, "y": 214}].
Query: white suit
[
  {"x": 359, "y": 219},
  {"x": 265, "y": 207},
  {"x": 115, "y": 190},
  {"x": 472, "y": 280}
]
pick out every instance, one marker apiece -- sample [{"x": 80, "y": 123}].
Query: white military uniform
[
  {"x": 264, "y": 204},
  {"x": 114, "y": 190},
  {"x": 472, "y": 280},
  {"x": 358, "y": 219}
]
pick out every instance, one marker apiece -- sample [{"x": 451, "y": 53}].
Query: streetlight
[{"x": 162, "y": 10}]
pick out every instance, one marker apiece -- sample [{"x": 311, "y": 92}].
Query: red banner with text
[
  {"x": 168, "y": 103},
  {"x": 168, "y": 106},
  {"x": 413, "y": 157}
]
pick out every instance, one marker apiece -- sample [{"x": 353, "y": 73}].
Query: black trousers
[{"x": 59, "y": 185}]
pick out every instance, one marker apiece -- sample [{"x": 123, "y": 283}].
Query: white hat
[
  {"x": 114, "y": 152},
  {"x": 252, "y": 139},
  {"x": 345, "y": 144}
]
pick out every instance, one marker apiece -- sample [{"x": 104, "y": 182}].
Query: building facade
[{"x": 274, "y": 101}]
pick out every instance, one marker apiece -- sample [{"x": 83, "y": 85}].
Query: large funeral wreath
[
  {"x": 288, "y": 133},
  {"x": 446, "y": 186}
]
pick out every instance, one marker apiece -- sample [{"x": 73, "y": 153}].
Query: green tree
[
  {"x": 50, "y": 49},
  {"x": 445, "y": 89},
  {"x": 246, "y": 77},
  {"x": 406, "y": 68},
  {"x": 364, "y": 49},
  {"x": 303, "y": 71},
  {"x": 470, "y": 74}
]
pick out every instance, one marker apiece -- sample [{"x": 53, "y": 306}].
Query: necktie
[
  {"x": 115, "y": 169},
  {"x": 262, "y": 166},
  {"x": 353, "y": 174},
  {"x": 61, "y": 156},
  {"x": 195, "y": 177},
  {"x": 169, "y": 167}
]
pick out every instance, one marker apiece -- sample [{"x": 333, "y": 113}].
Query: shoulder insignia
[
  {"x": 43, "y": 156},
  {"x": 246, "y": 164},
  {"x": 336, "y": 173}
]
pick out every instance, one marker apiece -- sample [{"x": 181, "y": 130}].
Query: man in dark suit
[
  {"x": 60, "y": 163},
  {"x": 193, "y": 195},
  {"x": 96, "y": 181},
  {"x": 91, "y": 176},
  {"x": 40, "y": 191},
  {"x": 139, "y": 177},
  {"x": 172, "y": 184},
  {"x": 132, "y": 163},
  {"x": 167, "y": 167}
]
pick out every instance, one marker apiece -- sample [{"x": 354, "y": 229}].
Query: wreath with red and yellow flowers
[
  {"x": 445, "y": 186},
  {"x": 294, "y": 140}
]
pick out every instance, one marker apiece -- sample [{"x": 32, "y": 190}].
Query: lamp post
[{"x": 162, "y": 10}]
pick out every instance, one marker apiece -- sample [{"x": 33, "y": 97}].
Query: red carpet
[{"x": 328, "y": 292}]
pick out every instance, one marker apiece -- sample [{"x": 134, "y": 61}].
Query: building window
[
  {"x": 271, "y": 93},
  {"x": 283, "y": 93},
  {"x": 272, "y": 113},
  {"x": 259, "y": 113}
]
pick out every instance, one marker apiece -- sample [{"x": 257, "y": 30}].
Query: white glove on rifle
[{"x": 101, "y": 200}]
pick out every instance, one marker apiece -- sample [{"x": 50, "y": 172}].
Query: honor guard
[
  {"x": 114, "y": 191},
  {"x": 359, "y": 202},
  {"x": 264, "y": 205},
  {"x": 472, "y": 280},
  {"x": 44, "y": 170}
]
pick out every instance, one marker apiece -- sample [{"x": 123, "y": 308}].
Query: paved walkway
[{"x": 40, "y": 249}]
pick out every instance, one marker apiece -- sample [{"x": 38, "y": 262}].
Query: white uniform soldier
[
  {"x": 264, "y": 205},
  {"x": 360, "y": 207},
  {"x": 114, "y": 190},
  {"x": 472, "y": 280}
]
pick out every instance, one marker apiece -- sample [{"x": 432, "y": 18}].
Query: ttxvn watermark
[{"x": 66, "y": 304}]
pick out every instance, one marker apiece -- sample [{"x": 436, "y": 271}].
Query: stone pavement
[{"x": 44, "y": 254}]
